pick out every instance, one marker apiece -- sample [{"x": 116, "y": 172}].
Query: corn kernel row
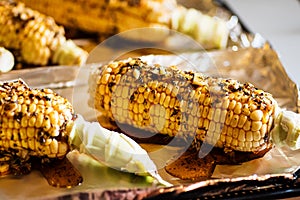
[{"x": 33, "y": 122}]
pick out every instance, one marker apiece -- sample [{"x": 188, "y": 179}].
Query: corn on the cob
[
  {"x": 7, "y": 60},
  {"x": 42, "y": 124},
  {"x": 221, "y": 112},
  {"x": 34, "y": 123},
  {"x": 114, "y": 16},
  {"x": 35, "y": 38}
]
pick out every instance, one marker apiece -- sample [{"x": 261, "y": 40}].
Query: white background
[{"x": 278, "y": 21}]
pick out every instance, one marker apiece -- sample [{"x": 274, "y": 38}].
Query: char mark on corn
[
  {"x": 33, "y": 123},
  {"x": 166, "y": 100}
]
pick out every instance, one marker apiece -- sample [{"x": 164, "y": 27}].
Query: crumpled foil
[
  {"x": 249, "y": 58},
  {"x": 260, "y": 66}
]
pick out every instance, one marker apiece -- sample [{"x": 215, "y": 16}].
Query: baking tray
[{"x": 255, "y": 57}]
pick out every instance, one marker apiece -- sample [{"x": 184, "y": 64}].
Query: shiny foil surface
[{"x": 248, "y": 58}]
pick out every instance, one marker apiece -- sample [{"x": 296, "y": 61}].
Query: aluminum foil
[
  {"x": 259, "y": 66},
  {"x": 248, "y": 58}
]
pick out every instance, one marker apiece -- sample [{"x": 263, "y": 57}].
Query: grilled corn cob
[
  {"x": 114, "y": 16},
  {"x": 165, "y": 100},
  {"x": 41, "y": 124},
  {"x": 34, "y": 123},
  {"x": 35, "y": 38}
]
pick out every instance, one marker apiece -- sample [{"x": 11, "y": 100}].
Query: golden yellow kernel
[
  {"x": 31, "y": 143},
  {"x": 206, "y": 124},
  {"x": 167, "y": 101},
  {"x": 265, "y": 118},
  {"x": 256, "y": 125},
  {"x": 104, "y": 78},
  {"x": 252, "y": 106},
  {"x": 32, "y": 108},
  {"x": 106, "y": 101},
  {"x": 24, "y": 144},
  {"x": 255, "y": 144},
  {"x": 54, "y": 117},
  {"x": 229, "y": 116},
  {"x": 228, "y": 139},
  {"x": 62, "y": 148},
  {"x": 242, "y": 120},
  {"x": 235, "y": 133},
  {"x": 234, "y": 142},
  {"x": 41, "y": 102},
  {"x": 234, "y": 121},
  {"x": 238, "y": 108},
  {"x": 54, "y": 147},
  {"x": 205, "y": 112},
  {"x": 140, "y": 98},
  {"x": 24, "y": 108},
  {"x": 231, "y": 105},
  {"x": 9, "y": 133},
  {"x": 172, "y": 102},
  {"x": 199, "y": 111},
  {"x": 162, "y": 98},
  {"x": 24, "y": 121},
  {"x": 225, "y": 103},
  {"x": 247, "y": 125},
  {"x": 30, "y": 132},
  {"x": 249, "y": 136},
  {"x": 135, "y": 108},
  {"x": 241, "y": 144},
  {"x": 231, "y": 96},
  {"x": 169, "y": 89},
  {"x": 31, "y": 121},
  {"x": 156, "y": 98},
  {"x": 15, "y": 133},
  {"x": 118, "y": 78},
  {"x": 141, "y": 108},
  {"x": 223, "y": 138},
  {"x": 46, "y": 124},
  {"x": 229, "y": 130},
  {"x": 245, "y": 110},
  {"x": 207, "y": 101},
  {"x": 263, "y": 130},
  {"x": 248, "y": 145},
  {"x": 256, "y": 115},
  {"x": 202, "y": 97},
  {"x": 256, "y": 135},
  {"x": 11, "y": 123}
]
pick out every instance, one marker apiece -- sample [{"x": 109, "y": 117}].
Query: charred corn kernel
[
  {"x": 38, "y": 134},
  {"x": 35, "y": 38},
  {"x": 232, "y": 113}
]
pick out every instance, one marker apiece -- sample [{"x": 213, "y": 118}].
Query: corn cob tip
[
  {"x": 69, "y": 53},
  {"x": 211, "y": 32},
  {"x": 286, "y": 131},
  {"x": 7, "y": 61}
]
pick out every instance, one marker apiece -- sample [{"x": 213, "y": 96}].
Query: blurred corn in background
[
  {"x": 34, "y": 38},
  {"x": 109, "y": 17}
]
